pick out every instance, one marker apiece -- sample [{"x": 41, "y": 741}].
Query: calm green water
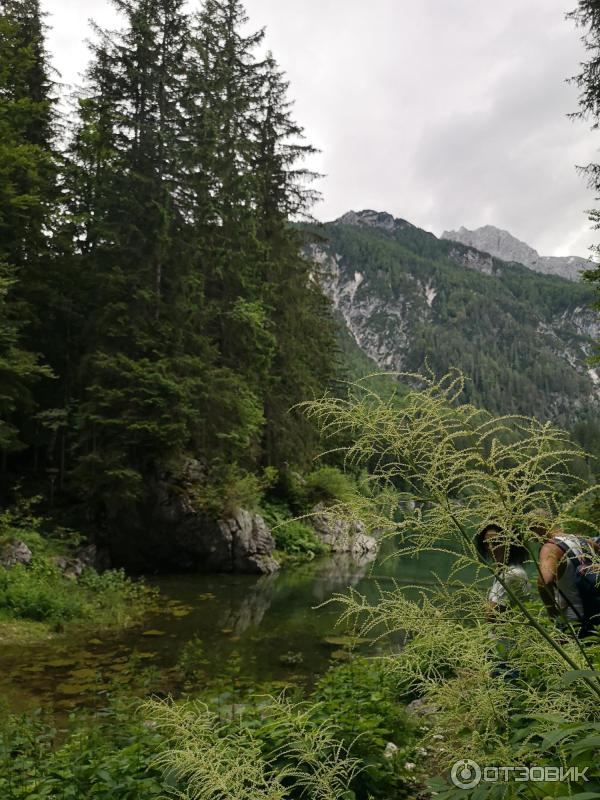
[{"x": 243, "y": 628}]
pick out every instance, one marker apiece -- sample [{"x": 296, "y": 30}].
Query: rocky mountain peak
[
  {"x": 373, "y": 219},
  {"x": 504, "y": 245}
]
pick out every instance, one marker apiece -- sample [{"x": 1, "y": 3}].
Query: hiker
[
  {"x": 492, "y": 545},
  {"x": 568, "y": 574}
]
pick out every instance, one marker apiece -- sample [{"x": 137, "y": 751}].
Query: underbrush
[
  {"x": 99, "y": 756},
  {"x": 287, "y": 509},
  {"x": 295, "y": 540},
  {"x": 351, "y": 736},
  {"x": 41, "y": 592}
]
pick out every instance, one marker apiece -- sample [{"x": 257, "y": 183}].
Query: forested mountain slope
[{"x": 408, "y": 298}]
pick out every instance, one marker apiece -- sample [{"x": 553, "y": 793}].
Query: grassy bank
[{"x": 46, "y": 596}]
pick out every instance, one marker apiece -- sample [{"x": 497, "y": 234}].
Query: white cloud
[{"x": 444, "y": 112}]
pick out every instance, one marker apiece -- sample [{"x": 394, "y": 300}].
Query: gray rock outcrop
[
  {"x": 374, "y": 219},
  {"x": 174, "y": 535},
  {"x": 504, "y": 245},
  {"x": 340, "y": 535},
  {"x": 16, "y": 552},
  {"x": 88, "y": 557}
]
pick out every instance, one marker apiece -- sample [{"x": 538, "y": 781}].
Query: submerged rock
[
  {"x": 340, "y": 535},
  {"x": 16, "y": 552}
]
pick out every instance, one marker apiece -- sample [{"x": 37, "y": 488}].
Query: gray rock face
[
  {"x": 70, "y": 567},
  {"x": 172, "y": 535},
  {"x": 340, "y": 535},
  {"x": 89, "y": 557},
  {"x": 473, "y": 259},
  {"x": 379, "y": 327},
  {"x": 93, "y": 556},
  {"x": 503, "y": 245},
  {"x": 374, "y": 219},
  {"x": 251, "y": 543},
  {"x": 15, "y": 553},
  {"x": 241, "y": 543}
]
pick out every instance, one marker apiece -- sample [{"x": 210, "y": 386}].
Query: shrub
[
  {"x": 40, "y": 592},
  {"x": 281, "y": 754},
  {"x": 292, "y": 536},
  {"x": 362, "y": 700},
  {"x": 327, "y": 484},
  {"x": 230, "y": 488},
  {"x": 336, "y": 744},
  {"x": 102, "y": 757}
]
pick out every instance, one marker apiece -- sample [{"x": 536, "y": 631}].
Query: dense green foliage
[
  {"x": 351, "y": 740},
  {"x": 505, "y": 688},
  {"x": 112, "y": 752},
  {"x": 151, "y": 263},
  {"x": 518, "y": 335},
  {"x": 27, "y": 181},
  {"x": 289, "y": 503},
  {"x": 102, "y": 757},
  {"x": 587, "y": 17},
  {"x": 293, "y": 538},
  {"x": 43, "y": 591}
]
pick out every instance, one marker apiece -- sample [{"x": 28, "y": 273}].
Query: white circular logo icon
[{"x": 465, "y": 774}]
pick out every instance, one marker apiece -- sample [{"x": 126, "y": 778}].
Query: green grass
[{"x": 37, "y": 599}]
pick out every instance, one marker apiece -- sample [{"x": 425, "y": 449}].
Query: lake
[{"x": 211, "y": 630}]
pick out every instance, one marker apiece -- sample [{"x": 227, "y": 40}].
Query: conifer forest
[{"x": 291, "y": 507}]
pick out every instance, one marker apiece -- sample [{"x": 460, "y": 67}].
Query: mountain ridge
[
  {"x": 502, "y": 244},
  {"x": 407, "y": 297}
]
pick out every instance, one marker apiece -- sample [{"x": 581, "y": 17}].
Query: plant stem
[{"x": 593, "y": 685}]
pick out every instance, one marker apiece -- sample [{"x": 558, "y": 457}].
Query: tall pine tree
[
  {"x": 27, "y": 179},
  {"x": 587, "y": 17},
  {"x": 299, "y": 312},
  {"x": 153, "y": 384},
  {"x": 145, "y": 360}
]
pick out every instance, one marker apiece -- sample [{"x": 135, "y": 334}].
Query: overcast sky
[{"x": 443, "y": 112}]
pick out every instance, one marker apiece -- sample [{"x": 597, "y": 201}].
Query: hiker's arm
[{"x": 550, "y": 557}]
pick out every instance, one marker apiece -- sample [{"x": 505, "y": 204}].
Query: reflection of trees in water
[
  {"x": 250, "y": 609},
  {"x": 339, "y": 572},
  {"x": 300, "y": 586}
]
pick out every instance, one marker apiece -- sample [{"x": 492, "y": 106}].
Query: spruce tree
[
  {"x": 143, "y": 373},
  {"x": 300, "y": 314},
  {"x": 158, "y": 222},
  {"x": 587, "y": 17},
  {"x": 269, "y": 320},
  {"x": 27, "y": 180},
  {"x": 228, "y": 90}
]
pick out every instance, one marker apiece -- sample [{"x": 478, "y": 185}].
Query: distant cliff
[
  {"x": 504, "y": 245},
  {"x": 407, "y": 298}
]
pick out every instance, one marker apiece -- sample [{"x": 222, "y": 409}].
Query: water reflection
[{"x": 255, "y": 623}]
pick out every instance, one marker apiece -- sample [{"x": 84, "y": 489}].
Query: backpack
[{"x": 587, "y": 581}]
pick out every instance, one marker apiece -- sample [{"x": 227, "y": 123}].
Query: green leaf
[{"x": 579, "y": 674}]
